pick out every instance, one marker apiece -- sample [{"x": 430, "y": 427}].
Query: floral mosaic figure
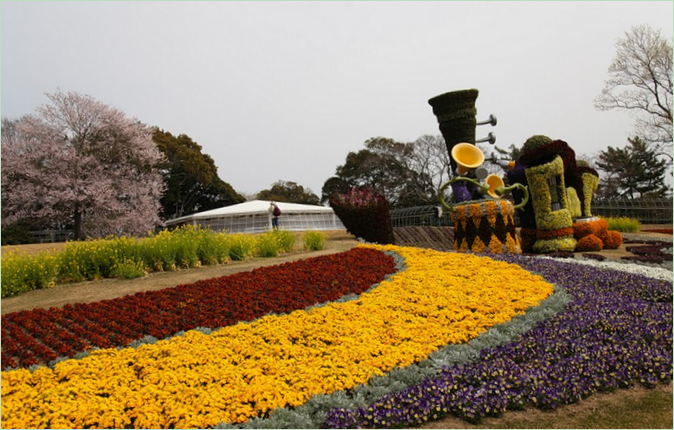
[
  {"x": 558, "y": 216},
  {"x": 548, "y": 168},
  {"x": 483, "y": 223}
]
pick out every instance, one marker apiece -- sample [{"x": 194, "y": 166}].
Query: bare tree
[
  {"x": 640, "y": 82},
  {"x": 429, "y": 157}
]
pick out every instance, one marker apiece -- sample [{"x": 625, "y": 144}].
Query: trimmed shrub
[
  {"x": 600, "y": 229},
  {"x": 365, "y": 214},
  {"x": 455, "y": 112},
  {"x": 597, "y": 227},
  {"x": 534, "y": 142}
]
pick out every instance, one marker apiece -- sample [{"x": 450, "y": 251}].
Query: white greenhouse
[{"x": 254, "y": 217}]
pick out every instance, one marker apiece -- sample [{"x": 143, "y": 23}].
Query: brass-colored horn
[
  {"x": 494, "y": 182},
  {"x": 467, "y": 157}
]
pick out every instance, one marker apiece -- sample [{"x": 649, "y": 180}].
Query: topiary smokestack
[{"x": 456, "y": 116}]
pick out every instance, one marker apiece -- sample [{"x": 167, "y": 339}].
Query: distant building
[{"x": 254, "y": 217}]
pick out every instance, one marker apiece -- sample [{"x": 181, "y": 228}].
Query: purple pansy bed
[{"x": 615, "y": 332}]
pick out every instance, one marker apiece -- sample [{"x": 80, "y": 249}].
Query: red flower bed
[
  {"x": 38, "y": 336},
  {"x": 659, "y": 230}
]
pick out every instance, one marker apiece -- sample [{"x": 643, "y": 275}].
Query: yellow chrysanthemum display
[{"x": 242, "y": 371}]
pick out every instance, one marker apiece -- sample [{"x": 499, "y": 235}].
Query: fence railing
[
  {"x": 419, "y": 215},
  {"x": 647, "y": 211},
  {"x": 50, "y": 236}
]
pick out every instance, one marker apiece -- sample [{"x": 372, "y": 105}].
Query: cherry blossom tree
[{"x": 81, "y": 163}]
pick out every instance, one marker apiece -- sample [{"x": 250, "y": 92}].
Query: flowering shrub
[
  {"x": 590, "y": 180},
  {"x": 314, "y": 240},
  {"x": 188, "y": 246},
  {"x": 28, "y": 272},
  {"x": 365, "y": 214},
  {"x": 598, "y": 228},
  {"x": 485, "y": 226},
  {"x": 546, "y": 218},
  {"x": 249, "y": 369},
  {"x": 574, "y": 202},
  {"x": 286, "y": 240},
  {"x": 582, "y": 229},
  {"x": 624, "y": 224},
  {"x": 267, "y": 244}
]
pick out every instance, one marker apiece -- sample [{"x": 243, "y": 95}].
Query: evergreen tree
[
  {"x": 385, "y": 166},
  {"x": 288, "y": 191},
  {"x": 191, "y": 178},
  {"x": 634, "y": 171}
]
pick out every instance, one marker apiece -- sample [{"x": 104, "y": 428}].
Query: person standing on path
[{"x": 275, "y": 213}]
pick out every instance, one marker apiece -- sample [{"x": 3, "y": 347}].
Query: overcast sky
[{"x": 283, "y": 91}]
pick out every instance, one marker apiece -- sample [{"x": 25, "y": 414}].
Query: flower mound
[
  {"x": 616, "y": 332},
  {"x": 248, "y": 369},
  {"x": 589, "y": 243}
]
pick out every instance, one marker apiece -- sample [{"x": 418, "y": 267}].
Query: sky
[{"x": 285, "y": 90}]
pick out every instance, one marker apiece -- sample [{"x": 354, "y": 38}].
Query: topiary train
[{"x": 558, "y": 217}]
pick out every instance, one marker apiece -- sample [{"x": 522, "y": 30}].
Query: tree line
[{"x": 83, "y": 165}]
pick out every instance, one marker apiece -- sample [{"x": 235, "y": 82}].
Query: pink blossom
[{"x": 78, "y": 162}]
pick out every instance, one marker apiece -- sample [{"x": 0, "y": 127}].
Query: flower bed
[
  {"x": 39, "y": 336},
  {"x": 616, "y": 332},
  {"x": 656, "y": 230},
  {"x": 247, "y": 370}
]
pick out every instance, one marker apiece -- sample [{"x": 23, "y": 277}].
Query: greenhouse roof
[{"x": 249, "y": 208}]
